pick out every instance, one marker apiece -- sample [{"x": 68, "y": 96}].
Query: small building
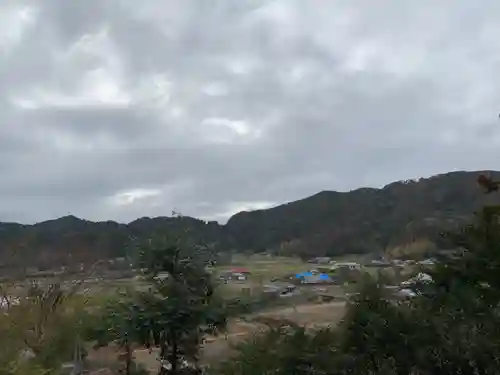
[
  {"x": 239, "y": 274},
  {"x": 427, "y": 262},
  {"x": 379, "y": 263},
  {"x": 419, "y": 278},
  {"x": 162, "y": 276},
  {"x": 313, "y": 279},
  {"x": 320, "y": 260},
  {"x": 398, "y": 263},
  {"x": 241, "y": 270},
  {"x": 349, "y": 265},
  {"x": 225, "y": 276}
]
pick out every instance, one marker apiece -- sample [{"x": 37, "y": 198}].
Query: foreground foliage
[
  {"x": 41, "y": 332},
  {"x": 173, "y": 315}
]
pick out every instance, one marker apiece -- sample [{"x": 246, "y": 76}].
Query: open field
[
  {"x": 309, "y": 315},
  {"x": 267, "y": 266}
]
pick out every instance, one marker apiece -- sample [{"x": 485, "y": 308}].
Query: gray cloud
[{"x": 120, "y": 109}]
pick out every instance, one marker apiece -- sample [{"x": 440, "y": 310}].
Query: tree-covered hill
[{"x": 365, "y": 220}]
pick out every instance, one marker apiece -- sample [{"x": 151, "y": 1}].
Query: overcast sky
[{"x": 118, "y": 109}]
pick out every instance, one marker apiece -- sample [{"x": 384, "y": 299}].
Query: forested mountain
[
  {"x": 366, "y": 219},
  {"x": 328, "y": 223}
]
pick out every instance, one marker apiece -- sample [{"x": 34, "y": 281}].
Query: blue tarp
[
  {"x": 303, "y": 274},
  {"x": 321, "y": 276}
]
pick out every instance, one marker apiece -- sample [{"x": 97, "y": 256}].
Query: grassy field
[
  {"x": 263, "y": 269},
  {"x": 267, "y": 267}
]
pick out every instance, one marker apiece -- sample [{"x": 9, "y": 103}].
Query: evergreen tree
[{"x": 174, "y": 314}]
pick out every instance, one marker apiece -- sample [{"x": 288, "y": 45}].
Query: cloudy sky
[{"x": 117, "y": 109}]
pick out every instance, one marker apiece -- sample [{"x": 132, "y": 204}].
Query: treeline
[
  {"x": 403, "y": 214},
  {"x": 69, "y": 241}
]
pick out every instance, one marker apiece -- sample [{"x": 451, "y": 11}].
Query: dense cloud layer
[{"x": 122, "y": 108}]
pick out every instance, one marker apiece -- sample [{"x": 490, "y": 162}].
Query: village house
[
  {"x": 349, "y": 265},
  {"x": 379, "y": 263},
  {"x": 320, "y": 260},
  {"x": 427, "y": 262}
]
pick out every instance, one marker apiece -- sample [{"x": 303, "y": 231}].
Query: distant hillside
[
  {"x": 70, "y": 240},
  {"x": 364, "y": 220},
  {"x": 328, "y": 223}
]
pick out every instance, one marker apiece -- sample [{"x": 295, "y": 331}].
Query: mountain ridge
[
  {"x": 329, "y": 222},
  {"x": 322, "y": 192}
]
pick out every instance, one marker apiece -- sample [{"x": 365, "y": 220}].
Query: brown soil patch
[
  {"x": 217, "y": 348},
  {"x": 311, "y": 315},
  {"x": 149, "y": 360},
  {"x": 102, "y": 357}
]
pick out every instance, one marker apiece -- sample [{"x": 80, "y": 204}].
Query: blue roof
[{"x": 324, "y": 276}]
